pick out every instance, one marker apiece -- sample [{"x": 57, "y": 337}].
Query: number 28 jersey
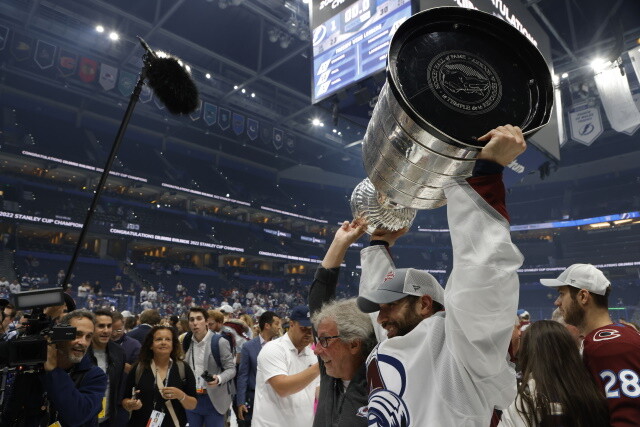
[{"x": 612, "y": 355}]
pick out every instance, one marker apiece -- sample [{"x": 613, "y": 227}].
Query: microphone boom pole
[
  {"x": 135, "y": 96},
  {"x": 171, "y": 82}
]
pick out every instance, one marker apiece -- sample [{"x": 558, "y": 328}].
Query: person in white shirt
[
  {"x": 287, "y": 378},
  {"x": 449, "y": 368},
  {"x": 215, "y": 396}
]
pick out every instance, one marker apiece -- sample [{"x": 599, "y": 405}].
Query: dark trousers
[{"x": 249, "y": 415}]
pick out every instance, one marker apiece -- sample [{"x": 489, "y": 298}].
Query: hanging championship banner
[
  {"x": 146, "y": 93},
  {"x": 4, "y": 35},
  {"x": 557, "y": 104},
  {"x": 252, "y": 129},
  {"x": 197, "y": 112},
  {"x": 278, "y": 138},
  {"x": 237, "y": 123},
  {"x": 616, "y": 98},
  {"x": 289, "y": 143},
  {"x": 636, "y": 100},
  {"x": 585, "y": 123},
  {"x": 224, "y": 120},
  {"x": 210, "y": 113},
  {"x": 108, "y": 76},
  {"x": 45, "y": 55},
  {"x": 87, "y": 70},
  {"x": 21, "y": 46},
  {"x": 67, "y": 63},
  {"x": 126, "y": 83}
]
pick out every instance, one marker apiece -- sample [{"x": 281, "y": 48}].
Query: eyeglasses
[{"x": 324, "y": 341}]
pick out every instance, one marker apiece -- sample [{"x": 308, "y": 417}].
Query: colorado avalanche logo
[
  {"x": 386, "y": 380},
  {"x": 606, "y": 334}
]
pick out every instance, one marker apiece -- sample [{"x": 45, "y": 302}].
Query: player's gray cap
[{"x": 397, "y": 285}]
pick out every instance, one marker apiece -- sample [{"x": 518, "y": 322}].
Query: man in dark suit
[
  {"x": 148, "y": 319},
  {"x": 109, "y": 356},
  {"x": 269, "y": 323}
]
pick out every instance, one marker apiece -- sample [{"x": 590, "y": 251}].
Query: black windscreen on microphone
[{"x": 170, "y": 81}]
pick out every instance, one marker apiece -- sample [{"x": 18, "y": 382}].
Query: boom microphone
[{"x": 170, "y": 81}]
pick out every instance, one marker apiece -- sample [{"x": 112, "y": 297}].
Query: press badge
[
  {"x": 156, "y": 419},
  {"x": 103, "y": 411},
  {"x": 200, "y": 385}
]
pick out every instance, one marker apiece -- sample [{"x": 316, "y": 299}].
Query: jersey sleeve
[{"x": 481, "y": 295}]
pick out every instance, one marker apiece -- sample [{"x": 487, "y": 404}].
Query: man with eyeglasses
[
  {"x": 344, "y": 339},
  {"x": 287, "y": 377}
]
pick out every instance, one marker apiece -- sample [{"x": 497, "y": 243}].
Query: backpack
[{"x": 215, "y": 345}]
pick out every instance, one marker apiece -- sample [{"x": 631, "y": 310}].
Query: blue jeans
[{"x": 205, "y": 414}]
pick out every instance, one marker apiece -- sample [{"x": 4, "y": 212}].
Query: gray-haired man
[{"x": 344, "y": 339}]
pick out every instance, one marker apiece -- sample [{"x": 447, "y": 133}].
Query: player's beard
[
  {"x": 575, "y": 314},
  {"x": 407, "y": 324}
]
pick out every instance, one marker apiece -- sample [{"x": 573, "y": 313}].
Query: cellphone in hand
[
  {"x": 207, "y": 376},
  {"x": 134, "y": 394}
]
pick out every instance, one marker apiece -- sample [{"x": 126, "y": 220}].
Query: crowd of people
[{"x": 405, "y": 352}]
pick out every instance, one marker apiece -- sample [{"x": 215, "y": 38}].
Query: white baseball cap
[
  {"x": 581, "y": 276},
  {"x": 397, "y": 285}
]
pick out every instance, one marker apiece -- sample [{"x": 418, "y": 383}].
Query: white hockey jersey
[{"x": 451, "y": 370}]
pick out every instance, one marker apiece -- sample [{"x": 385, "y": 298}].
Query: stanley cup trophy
[{"x": 453, "y": 74}]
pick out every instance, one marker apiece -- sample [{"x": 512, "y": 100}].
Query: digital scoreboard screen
[{"x": 351, "y": 40}]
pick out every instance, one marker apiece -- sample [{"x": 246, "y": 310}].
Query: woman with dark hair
[
  {"x": 556, "y": 388},
  {"x": 164, "y": 385}
]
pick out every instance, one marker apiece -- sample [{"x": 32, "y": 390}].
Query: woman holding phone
[{"x": 162, "y": 385}]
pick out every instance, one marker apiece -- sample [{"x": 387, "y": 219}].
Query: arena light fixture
[
  {"x": 599, "y": 64},
  {"x": 99, "y": 29},
  {"x": 114, "y": 36}
]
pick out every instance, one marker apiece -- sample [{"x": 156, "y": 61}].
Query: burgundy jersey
[{"x": 612, "y": 355}]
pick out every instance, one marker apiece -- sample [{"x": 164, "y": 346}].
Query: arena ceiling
[{"x": 263, "y": 47}]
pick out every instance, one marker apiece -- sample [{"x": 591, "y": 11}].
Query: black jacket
[
  {"x": 333, "y": 409},
  {"x": 115, "y": 373}
]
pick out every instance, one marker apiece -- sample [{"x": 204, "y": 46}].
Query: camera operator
[{"x": 71, "y": 387}]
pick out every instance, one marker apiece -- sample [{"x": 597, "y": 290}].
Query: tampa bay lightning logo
[{"x": 387, "y": 381}]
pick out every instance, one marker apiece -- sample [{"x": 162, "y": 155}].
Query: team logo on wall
[
  {"x": 464, "y": 82},
  {"x": 126, "y": 83},
  {"x": 237, "y": 123},
  {"x": 21, "y": 47},
  {"x": 210, "y": 113},
  {"x": 45, "y": 55},
  {"x": 88, "y": 70},
  {"x": 224, "y": 120},
  {"x": 108, "y": 76},
  {"x": 67, "y": 63},
  {"x": 252, "y": 128},
  {"x": 278, "y": 138}
]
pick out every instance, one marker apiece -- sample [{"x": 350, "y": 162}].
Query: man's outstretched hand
[
  {"x": 347, "y": 234},
  {"x": 505, "y": 144}
]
